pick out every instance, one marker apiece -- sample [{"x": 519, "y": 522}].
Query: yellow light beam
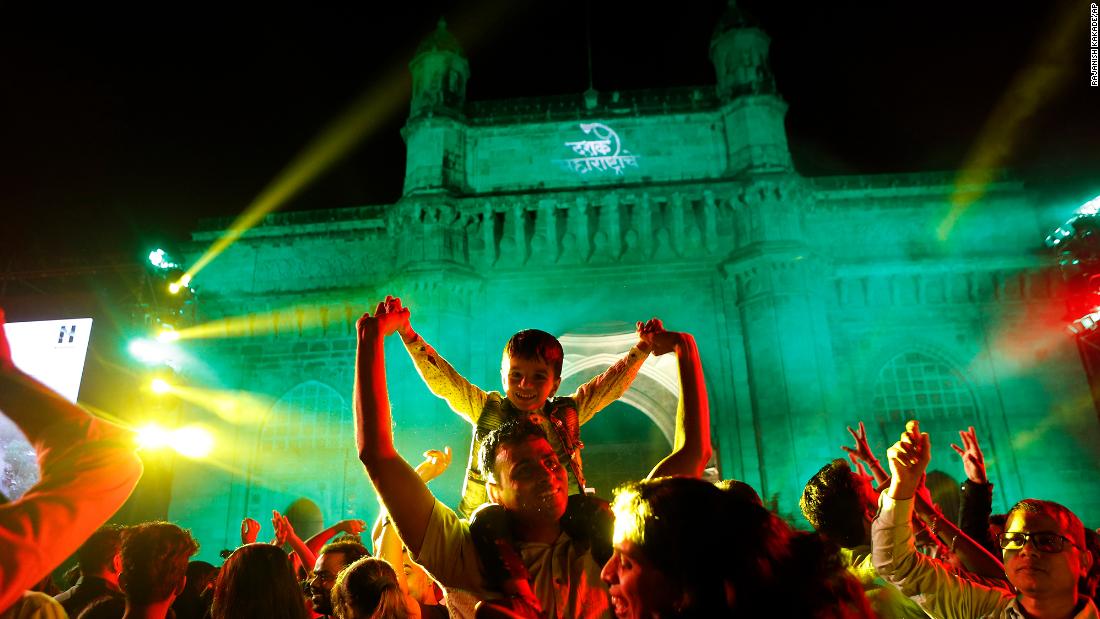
[
  {"x": 248, "y": 325},
  {"x": 236, "y": 407},
  {"x": 362, "y": 117},
  {"x": 1034, "y": 85}
]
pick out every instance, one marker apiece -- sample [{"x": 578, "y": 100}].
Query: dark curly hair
[
  {"x": 835, "y": 506},
  {"x": 154, "y": 560},
  {"x": 535, "y": 344},
  {"x": 352, "y": 551},
  {"x": 100, "y": 548},
  {"x": 512, "y": 431}
]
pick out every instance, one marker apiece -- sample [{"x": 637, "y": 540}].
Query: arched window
[
  {"x": 918, "y": 386},
  {"x": 310, "y": 416},
  {"x": 306, "y": 449}
]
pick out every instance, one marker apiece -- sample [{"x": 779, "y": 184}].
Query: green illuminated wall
[{"x": 816, "y": 302}]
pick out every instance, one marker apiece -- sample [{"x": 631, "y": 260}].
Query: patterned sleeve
[
  {"x": 442, "y": 380},
  {"x": 598, "y": 393}
]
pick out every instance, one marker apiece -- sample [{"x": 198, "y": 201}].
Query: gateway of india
[{"x": 816, "y": 302}]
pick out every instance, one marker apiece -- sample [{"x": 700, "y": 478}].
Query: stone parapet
[{"x": 608, "y": 105}]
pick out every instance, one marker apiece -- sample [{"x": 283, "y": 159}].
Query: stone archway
[
  {"x": 655, "y": 391},
  {"x": 301, "y": 452},
  {"x": 620, "y": 444}
]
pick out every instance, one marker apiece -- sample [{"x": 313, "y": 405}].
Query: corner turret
[
  {"x": 752, "y": 109},
  {"x": 435, "y": 132}
]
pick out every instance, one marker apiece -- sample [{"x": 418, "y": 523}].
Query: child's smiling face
[{"x": 528, "y": 383}]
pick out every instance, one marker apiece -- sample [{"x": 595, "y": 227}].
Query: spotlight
[
  {"x": 168, "y": 334},
  {"x": 193, "y": 442},
  {"x": 183, "y": 283},
  {"x": 1092, "y": 207},
  {"x": 160, "y": 386},
  {"x": 151, "y": 352},
  {"x": 152, "y": 436},
  {"x": 1086, "y": 323},
  {"x": 159, "y": 258},
  {"x": 1059, "y": 235}
]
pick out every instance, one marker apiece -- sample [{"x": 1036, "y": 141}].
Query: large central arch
[{"x": 655, "y": 392}]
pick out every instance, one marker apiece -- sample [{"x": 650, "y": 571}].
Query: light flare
[
  {"x": 160, "y": 386},
  {"x": 299, "y": 317},
  {"x": 235, "y": 407},
  {"x": 1035, "y": 84},
  {"x": 364, "y": 116},
  {"x": 152, "y": 436},
  {"x": 361, "y": 118},
  {"x": 193, "y": 441}
]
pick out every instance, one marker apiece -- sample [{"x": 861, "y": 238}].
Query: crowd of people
[{"x": 527, "y": 540}]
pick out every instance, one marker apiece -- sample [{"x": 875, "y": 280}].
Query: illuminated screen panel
[{"x": 53, "y": 352}]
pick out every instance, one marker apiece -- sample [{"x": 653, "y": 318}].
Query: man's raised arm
[
  {"x": 692, "y": 444},
  {"x": 927, "y": 581},
  {"x": 404, "y": 494}
]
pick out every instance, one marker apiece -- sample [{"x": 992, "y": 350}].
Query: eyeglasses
[{"x": 1043, "y": 541}]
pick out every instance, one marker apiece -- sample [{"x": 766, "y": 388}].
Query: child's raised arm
[
  {"x": 442, "y": 380},
  {"x": 598, "y": 393}
]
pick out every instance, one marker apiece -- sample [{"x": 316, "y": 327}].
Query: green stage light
[
  {"x": 150, "y": 352},
  {"x": 159, "y": 259}
]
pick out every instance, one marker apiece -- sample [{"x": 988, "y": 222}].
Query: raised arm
[
  {"x": 691, "y": 449},
  {"x": 88, "y": 469},
  {"x": 285, "y": 532},
  {"x": 250, "y": 530},
  {"x": 434, "y": 464},
  {"x": 973, "y": 556},
  {"x": 403, "y": 493},
  {"x": 977, "y": 492},
  {"x": 927, "y": 581},
  {"x": 351, "y": 526},
  {"x": 464, "y": 398},
  {"x": 862, "y": 453},
  {"x": 599, "y": 392},
  {"x": 387, "y": 544}
]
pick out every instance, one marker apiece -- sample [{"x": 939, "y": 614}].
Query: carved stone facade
[{"x": 816, "y": 302}]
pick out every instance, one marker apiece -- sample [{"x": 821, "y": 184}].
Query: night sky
[{"x": 126, "y": 124}]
